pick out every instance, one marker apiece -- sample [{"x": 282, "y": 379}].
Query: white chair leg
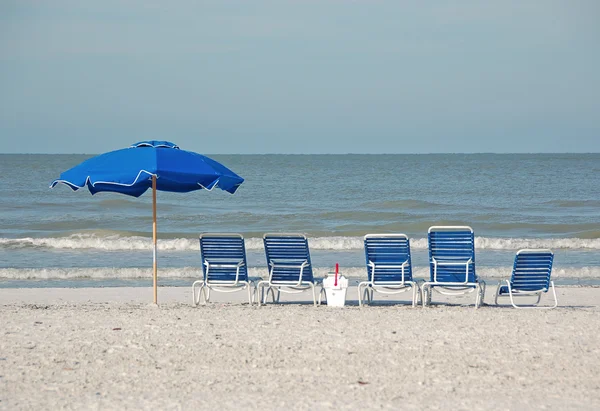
[
  {"x": 366, "y": 296},
  {"x": 204, "y": 293},
  {"x": 321, "y": 293},
  {"x": 200, "y": 294},
  {"x": 497, "y": 292},
  {"x": 314, "y": 294},
  {"x": 427, "y": 291},
  {"x": 540, "y": 296},
  {"x": 269, "y": 289},
  {"x": 360, "y": 300},
  {"x": 483, "y": 288},
  {"x": 265, "y": 294},
  {"x": 482, "y": 298},
  {"x": 262, "y": 294},
  {"x": 512, "y": 301},
  {"x": 554, "y": 293},
  {"x": 195, "y": 301},
  {"x": 278, "y": 295},
  {"x": 260, "y": 291}
]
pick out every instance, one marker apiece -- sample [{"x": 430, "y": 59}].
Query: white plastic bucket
[{"x": 336, "y": 294}]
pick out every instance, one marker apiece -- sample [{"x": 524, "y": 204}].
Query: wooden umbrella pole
[{"x": 154, "y": 267}]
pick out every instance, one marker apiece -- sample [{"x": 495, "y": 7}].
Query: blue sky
[{"x": 327, "y": 76}]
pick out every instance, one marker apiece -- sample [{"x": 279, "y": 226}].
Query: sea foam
[{"x": 132, "y": 243}]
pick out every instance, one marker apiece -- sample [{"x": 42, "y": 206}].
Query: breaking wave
[{"x": 133, "y": 243}]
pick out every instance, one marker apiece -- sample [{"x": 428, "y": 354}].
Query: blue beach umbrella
[{"x": 159, "y": 165}]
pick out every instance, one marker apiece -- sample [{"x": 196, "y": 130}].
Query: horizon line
[{"x": 339, "y": 154}]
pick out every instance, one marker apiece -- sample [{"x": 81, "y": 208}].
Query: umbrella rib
[
  {"x": 70, "y": 184},
  {"x": 215, "y": 184},
  {"x": 124, "y": 184}
]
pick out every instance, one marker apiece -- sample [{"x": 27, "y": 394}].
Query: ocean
[{"x": 60, "y": 238}]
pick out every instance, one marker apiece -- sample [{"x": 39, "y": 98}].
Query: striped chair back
[
  {"x": 451, "y": 244},
  {"x": 532, "y": 270},
  {"x": 289, "y": 251},
  {"x": 388, "y": 252},
  {"x": 223, "y": 249}
]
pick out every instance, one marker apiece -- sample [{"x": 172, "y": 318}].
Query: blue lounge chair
[
  {"x": 389, "y": 267},
  {"x": 290, "y": 269},
  {"x": 530, "y": 277},
  {"x": 452, "y": 263},
  {"x": 224, "y": 266}
]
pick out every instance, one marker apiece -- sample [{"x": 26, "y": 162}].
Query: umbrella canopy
[
  {"x": 160, "y": 165},
  {"x": 129, "y": 171}
]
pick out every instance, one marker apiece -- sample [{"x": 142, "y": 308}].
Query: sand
[{"x": 110, "y": 349}]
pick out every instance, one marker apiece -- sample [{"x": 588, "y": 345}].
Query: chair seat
[
  {"x": 450, "y": 285},
  {"x": 503, "y": 290}
]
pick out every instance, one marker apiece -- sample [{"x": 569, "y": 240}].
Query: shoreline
[
  {"x": 590, "y": 294},
  {"x": 85, "y": 283},
  {"x": 571, "y": 294}
]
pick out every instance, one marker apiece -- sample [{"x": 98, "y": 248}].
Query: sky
[{"x": 300, "y": 77}]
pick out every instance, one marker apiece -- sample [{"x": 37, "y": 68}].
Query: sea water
[{"x": 57, "y": 237}]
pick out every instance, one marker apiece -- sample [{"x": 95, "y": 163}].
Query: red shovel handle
[{"x": 337, "y": 268}]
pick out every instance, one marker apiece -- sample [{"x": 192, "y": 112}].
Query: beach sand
[{"x": 110, "y": 348}]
